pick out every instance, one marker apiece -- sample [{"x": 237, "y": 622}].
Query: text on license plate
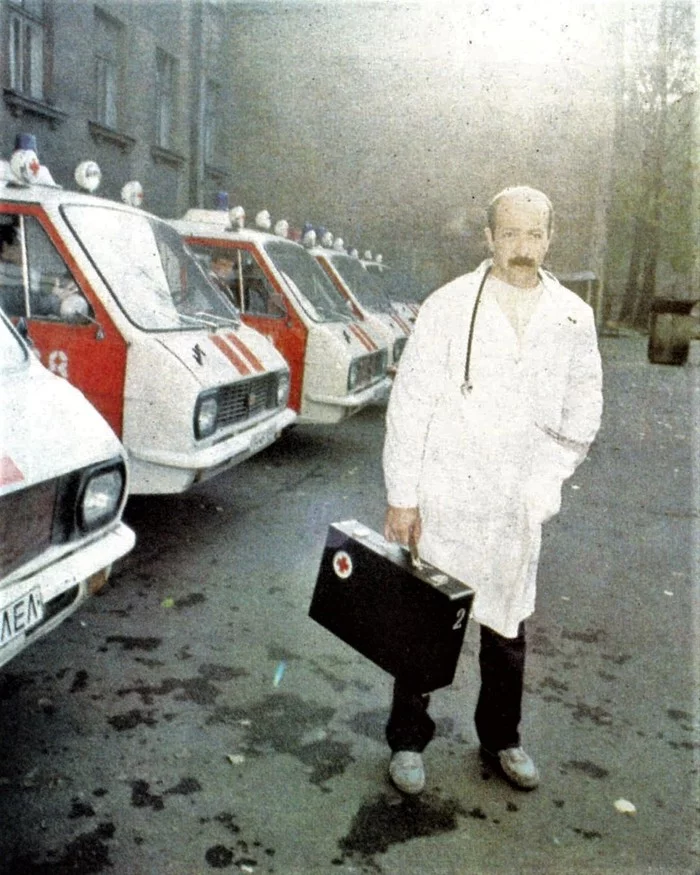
[
  {"x": 261, "y": 439},
  {"x": 20, "y": 616}
]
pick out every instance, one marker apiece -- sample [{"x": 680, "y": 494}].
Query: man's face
[
  {"x": 520, "y": 240},
  {"x": 222, "y": 267},
  {"x": 11, "y": 253}
]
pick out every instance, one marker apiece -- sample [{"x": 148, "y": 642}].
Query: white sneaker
[
  {"x": 519, "y": 768},
  {"x": 407, "y": 772}
]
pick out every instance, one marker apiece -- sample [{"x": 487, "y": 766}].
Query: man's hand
[{"x": 402, "y": 524}]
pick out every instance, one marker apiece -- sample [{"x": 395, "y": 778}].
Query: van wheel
[{"x": 666, "y": 344}]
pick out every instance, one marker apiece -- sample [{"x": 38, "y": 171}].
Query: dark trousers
[{"x": 498, "y": 710}]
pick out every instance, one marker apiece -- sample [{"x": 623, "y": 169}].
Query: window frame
[
  {"x": 166, "y": 98},
  {"x": 27, "y": 24},
  {"x": 108, "y": 69}
]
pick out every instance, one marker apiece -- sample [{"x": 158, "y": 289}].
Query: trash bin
[{"x": 672, "y": 325}]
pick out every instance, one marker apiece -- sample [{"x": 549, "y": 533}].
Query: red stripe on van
[
  {"x": 402, "y": 325},
  {"x": 363, "y": 337},
  {"x": 9, "y": 472},
  {"x": 245, "y": 352},
  {"x": 235, "y": 359}
]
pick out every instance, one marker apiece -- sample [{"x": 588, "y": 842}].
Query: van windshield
[
  {"x": 362, "y": 284},
  {"x": 308, "y": 282},
  {"x": 148, "y": 269},
  {"x": 12, "y": 352}
]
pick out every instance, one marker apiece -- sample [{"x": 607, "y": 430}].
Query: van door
[
  {"x": 66, "y": 322},
  {"x": 263, "y": 305}
]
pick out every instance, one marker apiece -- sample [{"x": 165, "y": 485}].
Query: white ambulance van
[
  {"x": 114, "y": 302},
  {"x": 63, "y": 484},
  {"x": 401, "y": 288},
  {"x": 362, "y": 290},
  {"x": 338, "y": 364}
]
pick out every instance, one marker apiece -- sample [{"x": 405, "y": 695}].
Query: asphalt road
[{"x": 191, "y": 717}]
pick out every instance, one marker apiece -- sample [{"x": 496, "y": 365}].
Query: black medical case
[{"x": 410, "y": 620}]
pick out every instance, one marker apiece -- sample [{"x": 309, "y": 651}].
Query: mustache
[{"x": 521, "y": 261}]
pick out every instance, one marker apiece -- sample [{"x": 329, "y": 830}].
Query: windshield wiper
[{"x": 223, "y": 320}]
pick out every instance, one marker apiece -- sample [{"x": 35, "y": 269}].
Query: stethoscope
[{"x": 467, "y": 385}]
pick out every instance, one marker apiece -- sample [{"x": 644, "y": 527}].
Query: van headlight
[
  {"x": 206, "y": 411},
  {"x": 282, "y": 389},
  {"x": 399, "y": 344},
  {"x": 100, "y": 497}
]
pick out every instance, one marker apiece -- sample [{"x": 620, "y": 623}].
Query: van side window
[{"x": 52, "y": 292}]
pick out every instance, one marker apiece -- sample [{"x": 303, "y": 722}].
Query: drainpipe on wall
[{"x": 196, "y": 192}]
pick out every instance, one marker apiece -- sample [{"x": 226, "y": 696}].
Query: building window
[
  {"x": 165, "y": 99},
  {"x": 108, "y": 54},
  {"x": 27, "y": 35},
  {"x": 212, "y": 115}
]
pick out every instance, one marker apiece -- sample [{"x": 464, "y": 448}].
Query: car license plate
[
  {"x": 261, "y": 439},
  {"x": 20, "y": 616}
]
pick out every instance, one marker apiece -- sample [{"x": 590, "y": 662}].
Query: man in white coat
[{"x": 496, "y": 401}]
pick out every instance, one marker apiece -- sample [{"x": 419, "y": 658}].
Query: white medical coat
[{"x": 486, "y": 467}]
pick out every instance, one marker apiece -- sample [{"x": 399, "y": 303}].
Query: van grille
[
  {"x": 246, "y": 399},
  {"x": 26, "y": 524}
]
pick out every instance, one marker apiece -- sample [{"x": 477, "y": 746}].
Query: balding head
[{"x": 520, "y": 194}]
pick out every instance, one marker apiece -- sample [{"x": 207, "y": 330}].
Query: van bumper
[
  {"x": 328, "y": 409},
  {"x": 159, "y": 471},
  {"x": 64, "y": 583}
]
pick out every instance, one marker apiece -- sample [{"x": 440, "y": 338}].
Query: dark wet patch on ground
[
  {"x": 80, "y": 681},
  {"x": 339, "y": 683},
  {"x": 388, "y": 820},
  {"x": 286, "y": 723},
  {"x": 130, "y": 643},
  {"x": 221, "y": 856},
  {"x": 281, "y": 654},
  {"x": 184, "y": 787},
  {"x": 370, "y": 724},
  {"x": 141, "y": 797},
  {"x": 80, "y": 809},
  {"x": 540, "y": 644},
  {"x": 552, "y": 683},
  {"x": 683, "y": 745},
  {"x": 194, "y": 598},
  {"x": 326, "y": 758},
  {"x": 680, "y": 717},
  {"x": 616, "y": 658},
  {"x": 149, "y": 663},
  {"x": 87, "y": 854},
  {"x": 589, "y": 637},
  {"x": 11, "y": 684},
  {"x": 198, "y": 690},
  {"x": 131, "y": 719},
  {"x": 586, "y": 767},
  {"x": 594, "y": 713}
]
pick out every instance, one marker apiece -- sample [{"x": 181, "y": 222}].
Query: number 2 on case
[{"x": 461, "y": 614}]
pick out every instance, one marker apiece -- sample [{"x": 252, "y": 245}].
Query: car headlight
[
  {"x": 100, "y": 497},
  {"x": 282, "y": 389},
  {"x": 399, "y": 344},
  {"x": 206, "y": 412},
  {"x": 352, "y": 375}
]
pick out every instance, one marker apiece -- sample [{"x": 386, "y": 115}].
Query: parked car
[
  {"x": 338, "y": 363},
  {"x": 63, "y": 485},
  {"x": 113, "y": 301}
]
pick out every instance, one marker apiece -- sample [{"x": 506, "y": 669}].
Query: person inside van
[{"x": 11, "y": 283}]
